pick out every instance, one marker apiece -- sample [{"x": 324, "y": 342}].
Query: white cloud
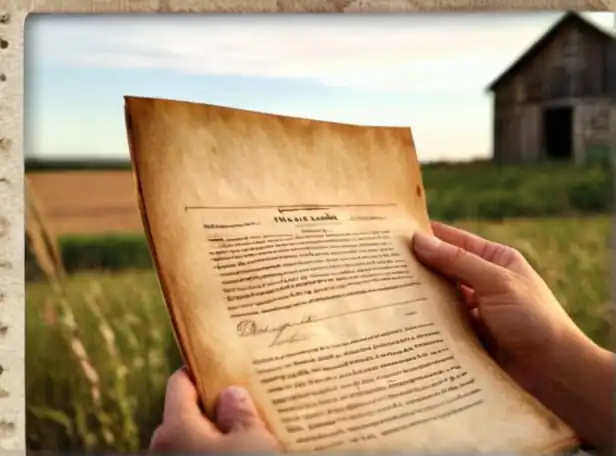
[{"x": 400, "y": 53}]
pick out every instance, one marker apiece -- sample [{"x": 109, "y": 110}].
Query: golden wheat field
[{"x": 87, "y": 202}]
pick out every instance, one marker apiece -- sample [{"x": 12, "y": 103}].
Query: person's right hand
[
  {"x": 525, "y": 329},
  {"x": 515, "y": 313}
]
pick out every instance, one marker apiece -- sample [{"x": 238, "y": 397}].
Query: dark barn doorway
[{"x": 558, "y": 133}]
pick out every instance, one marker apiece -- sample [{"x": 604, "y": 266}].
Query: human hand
[
  {"x": 525, "y": 329},
  {"x": 185, "y": 428},
  {"x": 515, "y": 314}
]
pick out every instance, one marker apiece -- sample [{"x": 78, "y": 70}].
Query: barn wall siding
[
  {"x": 530, "y": 133},
  {"x": 593, "y": 72},
  {"x": 612, "y": 136},
  {"x": 610, "y": 70},
  {"x": 575, "y": 68},
  {"x": 509, "y": 136},
  {"x": 579, "y": 117},
  {"x": 595, "y": 129},
  {"x": 496, "y": 135},
  {"x": 570, "y": 65}
]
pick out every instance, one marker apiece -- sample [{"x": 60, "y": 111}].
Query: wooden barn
[{"x": 558, "y": 100}]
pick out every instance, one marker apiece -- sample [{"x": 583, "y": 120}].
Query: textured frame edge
[
  {"x": 12, "y": 291},
  {"x": 12, "y": 21}
]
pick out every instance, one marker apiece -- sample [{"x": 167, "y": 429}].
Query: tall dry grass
[
  {"x": 98, "y": 360},
  {"x": 123, "y": 328},
  {"x": 116, "y": 430}
]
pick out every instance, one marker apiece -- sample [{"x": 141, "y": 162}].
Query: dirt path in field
[{"x": 87, "y": 202}]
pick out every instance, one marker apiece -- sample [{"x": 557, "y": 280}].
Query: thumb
[
  {"x": 457, "y": 264},
  {"x": 235, "y": 411}
]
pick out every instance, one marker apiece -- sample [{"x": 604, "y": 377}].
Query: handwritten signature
[{"x": 285, "y": 333}]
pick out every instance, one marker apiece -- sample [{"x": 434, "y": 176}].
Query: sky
[{"x": 426, "y": 71}]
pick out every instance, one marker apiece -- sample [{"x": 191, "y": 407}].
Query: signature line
[{"x": 344, "y": 314}]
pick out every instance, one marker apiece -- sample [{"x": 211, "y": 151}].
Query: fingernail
[
  {"x": 235, "y": 410},
  {"x": 235, "y": 394},
  {"x": 425, "y": 244}
]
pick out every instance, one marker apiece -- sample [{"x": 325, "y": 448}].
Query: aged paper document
[{"x": 282, "y": 249}]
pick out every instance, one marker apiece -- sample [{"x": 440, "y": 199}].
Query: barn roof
[{"x": 538, "y": 45}]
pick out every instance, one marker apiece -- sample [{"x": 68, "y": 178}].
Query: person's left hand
[{"x": 185, "y": 428}]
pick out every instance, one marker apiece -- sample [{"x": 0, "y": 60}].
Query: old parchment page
[{"x": 282, "y": 248}]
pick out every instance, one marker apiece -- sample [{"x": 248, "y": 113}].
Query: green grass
[
  {"x": 132, "y": 368},
  {"x": 485, "y": 191},
  {"x": 476, "y": 190},
  {"x": 70, "y": 164},
  {"x": 571, "y": 253}
]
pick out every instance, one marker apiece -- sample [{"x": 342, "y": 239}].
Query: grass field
[
  {"x": 98, "y": 358},
  {"x": 91, "y": 201}
]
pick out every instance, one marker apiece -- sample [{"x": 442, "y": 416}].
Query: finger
[
  {"x": 458, "y": 264},
  {"x": 493, "y": 252},
  {"x": 461, "y": 238},
  {"x": 236, "y": 411},
  {"x": 159, "y": 442},
  {"x": 182, "y": 401},
  {"x": 483, "y": 332},
  {"x": 181, "y": 396},
  {"x": 468, "y": 294}
]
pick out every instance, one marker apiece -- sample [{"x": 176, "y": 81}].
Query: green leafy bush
[
  {"x": 107, "y": 252},
  {"x": 454, "y": 192},
  {"x": 493, "y": 192},
  {"x": 591, "y": 192},
  {"x": 98, "y": 253}
]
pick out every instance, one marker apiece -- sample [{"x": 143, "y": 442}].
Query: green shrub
[
  {"x": 109, "y": 252},
  {"x": 599, "y": 155},
  {"x": 489, "y": 191},
  {"x": 591, "y": 192},
  {"x": 98, "y": 253},
  {"x": 454, "y": 192},
  {"x": 70, "y": 164}
]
